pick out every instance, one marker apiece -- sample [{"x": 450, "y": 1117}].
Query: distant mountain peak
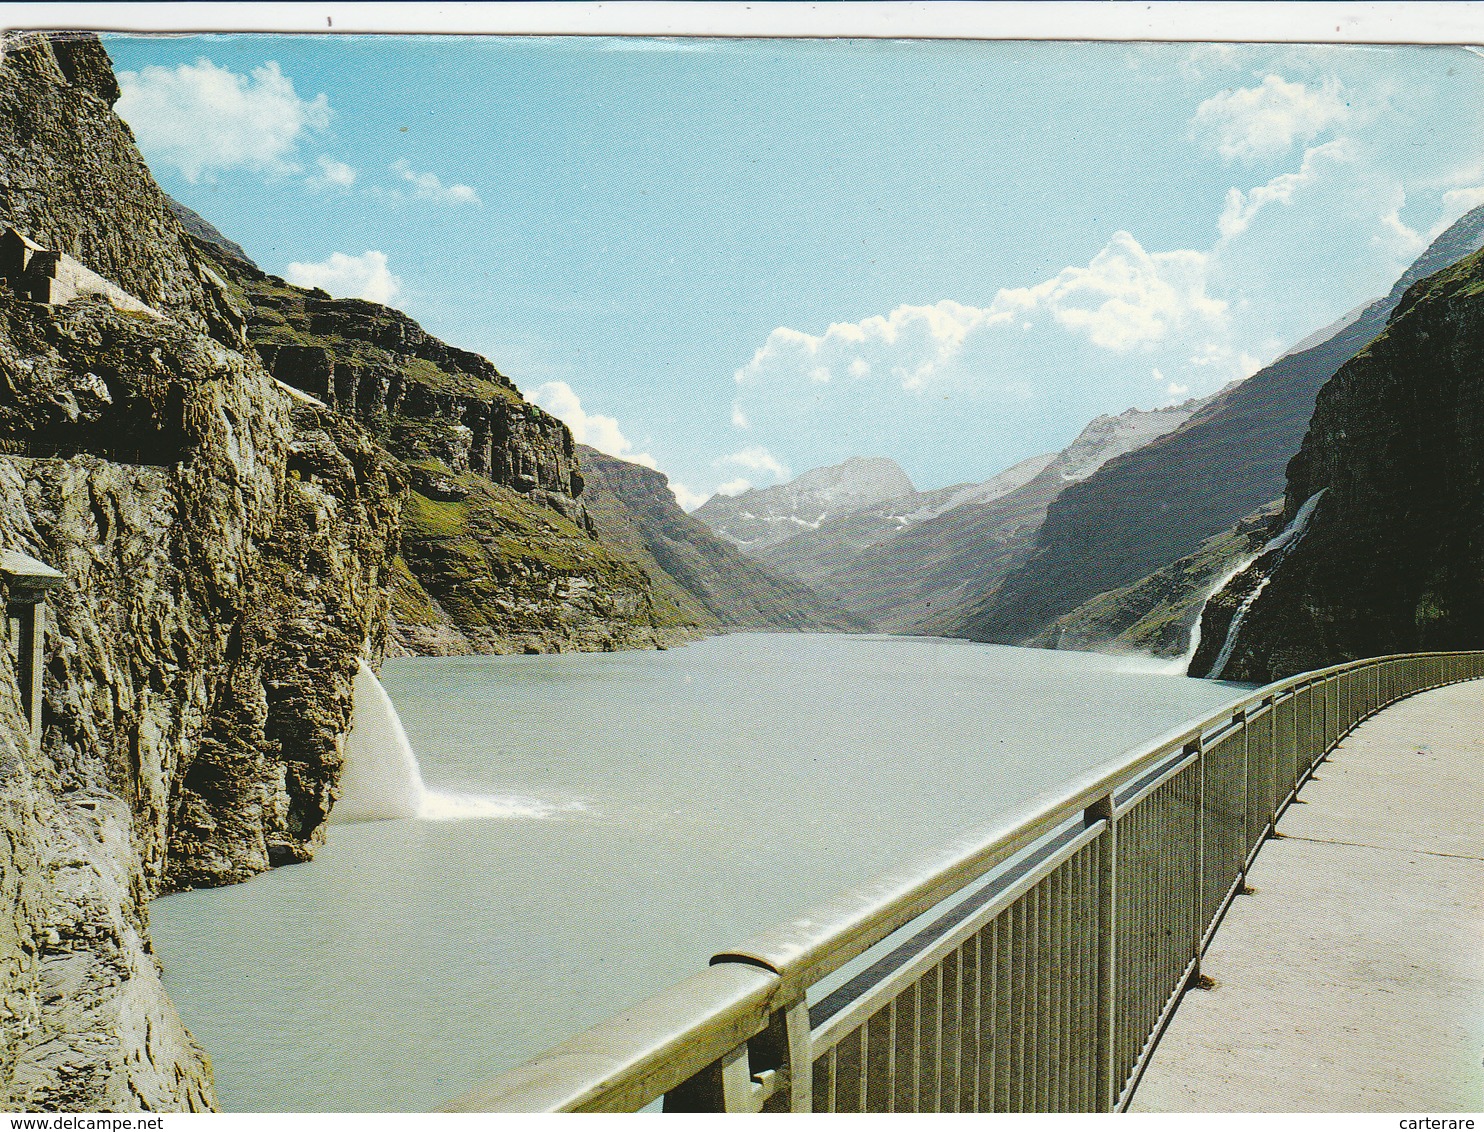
[{"x": 762, "y": 517}]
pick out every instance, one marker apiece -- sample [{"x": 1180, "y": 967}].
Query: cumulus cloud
[
  {"x": 1241, "y": 206},
  {"x": 1265, "y": 121},
  {"x": 1125, "y": 299},
  {"x": 200, "y": 119},
  {"x": 333, "y": 174},
  {"x": 754, "y": 458},
  {"x": 427, "y": 186},
  {"x": 363, "y": 276},
  {"x": 593, "y": 429},
  {"x": 734, "y": 487}
]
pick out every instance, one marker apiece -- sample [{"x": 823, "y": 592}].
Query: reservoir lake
[{"x": 649, "y": 809}]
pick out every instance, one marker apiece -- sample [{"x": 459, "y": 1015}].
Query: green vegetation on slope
[
  {"x": 703, "y": 575},
  {"x": 1156, "y": 614}
]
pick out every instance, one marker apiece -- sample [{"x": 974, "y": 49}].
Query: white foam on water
[
  {"x": 381, "y": 778},
  {"x": 440, "y": 806}
]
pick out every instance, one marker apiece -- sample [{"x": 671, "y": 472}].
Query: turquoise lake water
[{"x": 671, "y": 804}]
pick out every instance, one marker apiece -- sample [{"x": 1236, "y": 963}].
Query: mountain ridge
[
  {"x": 1151, "y": 507},
  {"x": 904, "y": 561},
  {"x": 1392, "y": 468}
]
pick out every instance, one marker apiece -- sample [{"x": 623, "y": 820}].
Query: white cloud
[
  {"x": 427, "y": 186},
  {"x": 333, "y": 174},
  {"x": 200, "y": 118},
  {"x": 1126, "y": 298},
  {"x": 1266, "y": 120},
  {"x": 734, "y": 487},
  {"x": 1204, "y": 57},
  {"x": 739, "y": 418},
  {"x": 1456, "y": 202},
  {"x": 1242, "y": 207},
  {"x": 687, "y": 499},
  {"x": 754, "y": 458},
  {"x": 1396, "y": 234},
  {"x": 593, "y": 429},
  {"x": 363, "y": 276}
]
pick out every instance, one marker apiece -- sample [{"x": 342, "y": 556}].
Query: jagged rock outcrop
[
  {"x": 1159, "y": 503},
  {"x": 226, "y": 548},
  {"x": 1392, "y": 557},
  {"x": 499, "y": 553},
  {"x": 65, "y": 158},
  {"x": 1157, "y": 614},
  {"x": 706, "y": 582},
  {"x": 424, "y": 399}
]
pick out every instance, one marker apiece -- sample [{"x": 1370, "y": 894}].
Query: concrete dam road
[{"x": 1352, "y": 979}]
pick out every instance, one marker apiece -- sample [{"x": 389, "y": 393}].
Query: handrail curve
[{"x": 1093, "y": 945}]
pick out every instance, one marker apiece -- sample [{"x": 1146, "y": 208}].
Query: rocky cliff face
[
  {"x": 226, "y": 548},
  {"x": 1392, "y": 557},
  {"x": 1158, "y": 504},
  {"x": 707, "y": 583},
  {"x": 499, "y": 553},
  {"x": 61, "y": 145}
]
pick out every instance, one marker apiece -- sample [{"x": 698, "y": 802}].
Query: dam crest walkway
[{"x": 1352, "y": 978}]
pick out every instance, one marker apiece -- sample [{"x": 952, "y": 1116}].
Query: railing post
[
  {"x": 1270, "y": 706},
  {"x": 723, "y": 1086},
  {"x": 1239, "y": 720},
  {"x": 1198, "y": 919},
  {"x": 783, "y": 1053},
  {"x": 784, "y": 1058},
  {"x": 1104, "y": 809}
]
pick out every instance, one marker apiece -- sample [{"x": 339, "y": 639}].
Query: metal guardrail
[{"x": 1043, "y": 989}]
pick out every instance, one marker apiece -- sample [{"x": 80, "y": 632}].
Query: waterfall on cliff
[
  {"x": 1181, "y": 666},
  {"x": 1283, "y": 544},
  {"x": 381, "y": 777}
]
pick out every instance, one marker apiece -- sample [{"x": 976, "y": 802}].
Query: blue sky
[{"x": 740, "y": 259}]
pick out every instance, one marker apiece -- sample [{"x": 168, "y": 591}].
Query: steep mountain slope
[
  {"x": 1392, "y": 558},
  {"x": 814, "y": 553},
  {"x": 1160, "y": 503},
  {"x": 225, "y": 548},
  {"x": 1157, "y": 614},
  {"x": 498, "y": 552},
  {"x": 762, "y": 517},
  {"x": 696, "y": 574},
  {"x": 906, "y": 582}
]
